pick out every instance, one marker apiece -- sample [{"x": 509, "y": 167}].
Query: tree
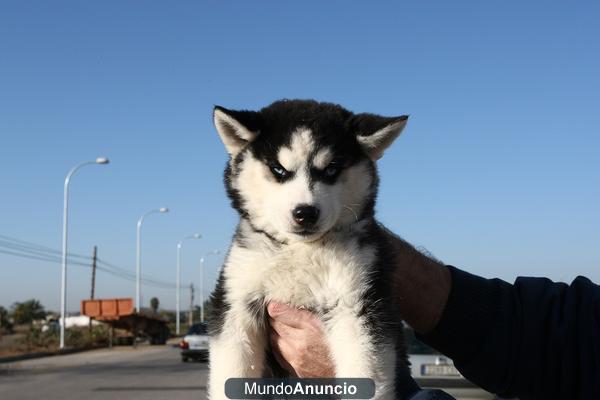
[
  {"x": 154, "y": 303},
  {"x": 26, "y": 312},
  {"x": 5, "y": 324},
  {"x": 207, "y": 311}
]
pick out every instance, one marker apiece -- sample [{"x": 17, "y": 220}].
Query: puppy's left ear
[{"x": 376, "y": 133}]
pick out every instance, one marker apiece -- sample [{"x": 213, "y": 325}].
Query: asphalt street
[{"x": 148, "y": 373}]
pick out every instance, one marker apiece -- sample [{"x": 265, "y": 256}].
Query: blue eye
[
  {"x": 331, "y": 170},
  {"x": 279, "y": 171}
]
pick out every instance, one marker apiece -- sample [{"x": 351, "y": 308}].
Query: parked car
[
  {"x": 435, "y": 371},
  {"x": 194, "y": 345}
]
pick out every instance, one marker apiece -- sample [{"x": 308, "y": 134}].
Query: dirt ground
[{"x": 9, "y": 344}]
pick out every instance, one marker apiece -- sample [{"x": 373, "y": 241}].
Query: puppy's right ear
[{"x": 236, "y": 128}]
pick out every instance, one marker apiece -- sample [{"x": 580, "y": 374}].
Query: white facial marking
[
  {"x": 287, "y": 159},
  {"x": 322, "y": 158},
  {"x": 270, "y": 203},
  {"x": 301, "y": 145}
]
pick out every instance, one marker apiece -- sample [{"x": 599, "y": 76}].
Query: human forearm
[
  {"x": 453, "y": 311},
  {"x": 421, "y": 285}
]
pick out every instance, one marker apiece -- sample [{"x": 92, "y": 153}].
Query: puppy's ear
[
  {"x": 376, "y": 133},
  {"x": 236, "y": 128}
]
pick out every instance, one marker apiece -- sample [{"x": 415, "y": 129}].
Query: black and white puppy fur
[{"x": 303, "y": 178}]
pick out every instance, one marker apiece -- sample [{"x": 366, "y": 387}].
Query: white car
[
  {"x": 195, "y": 343},
  {"x": 434, "y": 371}
]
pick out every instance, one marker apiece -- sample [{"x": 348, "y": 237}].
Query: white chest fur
[
  {"x": 312, "y": 275},
  {"x": 332, "y": 274}
]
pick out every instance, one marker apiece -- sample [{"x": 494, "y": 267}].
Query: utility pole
[
  {"x": 94, "y": 258},
  {"x": 191, "y": 313}
]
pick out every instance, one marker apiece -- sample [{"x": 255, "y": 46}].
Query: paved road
[
  {"x": 148, "y": 373},
  {"x": 145, "y": 373}
]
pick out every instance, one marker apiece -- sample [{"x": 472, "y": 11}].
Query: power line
[
  {"x": 37, "y": 249},
  {"x": 117, "y": 273},
  {"x": 24, "y": 249}
]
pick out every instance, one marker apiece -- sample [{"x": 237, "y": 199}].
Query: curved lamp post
[
  {"x": 177, "y": 290},
  {"x": 138, "y": 254},
  {"x": 213, "y": 252},
  {"x": 63, "y": 291}
]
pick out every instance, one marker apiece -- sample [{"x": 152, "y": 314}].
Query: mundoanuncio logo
[{"x": 299, "y": 388}]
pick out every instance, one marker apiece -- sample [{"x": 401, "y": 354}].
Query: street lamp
[
  {"x": 177, "y": 290},
  {"x": 63, "y": 291},
  {"x": 215, "y": 252},
  {"x": 138, "y": 255}
]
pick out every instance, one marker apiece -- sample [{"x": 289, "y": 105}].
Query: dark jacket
[{"x": 534, "y": 339}]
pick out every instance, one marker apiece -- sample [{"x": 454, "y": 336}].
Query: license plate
[
  {"x": 439, "y": 370},
  {"x": 198, "y": 346}
]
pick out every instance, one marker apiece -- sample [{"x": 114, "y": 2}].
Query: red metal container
[{"x": 107, "y": 309}]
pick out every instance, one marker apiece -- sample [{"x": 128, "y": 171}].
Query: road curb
[{"x": 41, "y": 354}]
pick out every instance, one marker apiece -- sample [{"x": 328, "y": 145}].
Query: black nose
[{"x": 305, "y": 215}]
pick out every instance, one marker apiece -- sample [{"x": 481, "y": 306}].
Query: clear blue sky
[{"x": 497, "y": 172}]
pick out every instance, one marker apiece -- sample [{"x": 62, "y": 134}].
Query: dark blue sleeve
[
  {"x": 410, "y": 390},
  {"x": 534, "y": 339},
  {"x": 431, "y": 394}
]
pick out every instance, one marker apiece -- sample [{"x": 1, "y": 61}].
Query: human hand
[{"x": 299, "y": 343}]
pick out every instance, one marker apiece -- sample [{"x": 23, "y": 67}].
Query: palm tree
[{"x": 154, "y": 303}]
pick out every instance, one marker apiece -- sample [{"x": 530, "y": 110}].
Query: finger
[
  {"x": 290, "y": 316},
  {"x": 274, "y": 308},
  {"x": 276, "y": 344},
  {"x": 285, "y": 365},
  {"x": 284, "y": 330}
]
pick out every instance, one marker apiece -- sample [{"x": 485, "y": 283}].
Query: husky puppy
[{"x": 302, "y": 176}]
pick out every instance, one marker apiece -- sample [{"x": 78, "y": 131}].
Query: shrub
[{"x": 36, "y": 340}]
